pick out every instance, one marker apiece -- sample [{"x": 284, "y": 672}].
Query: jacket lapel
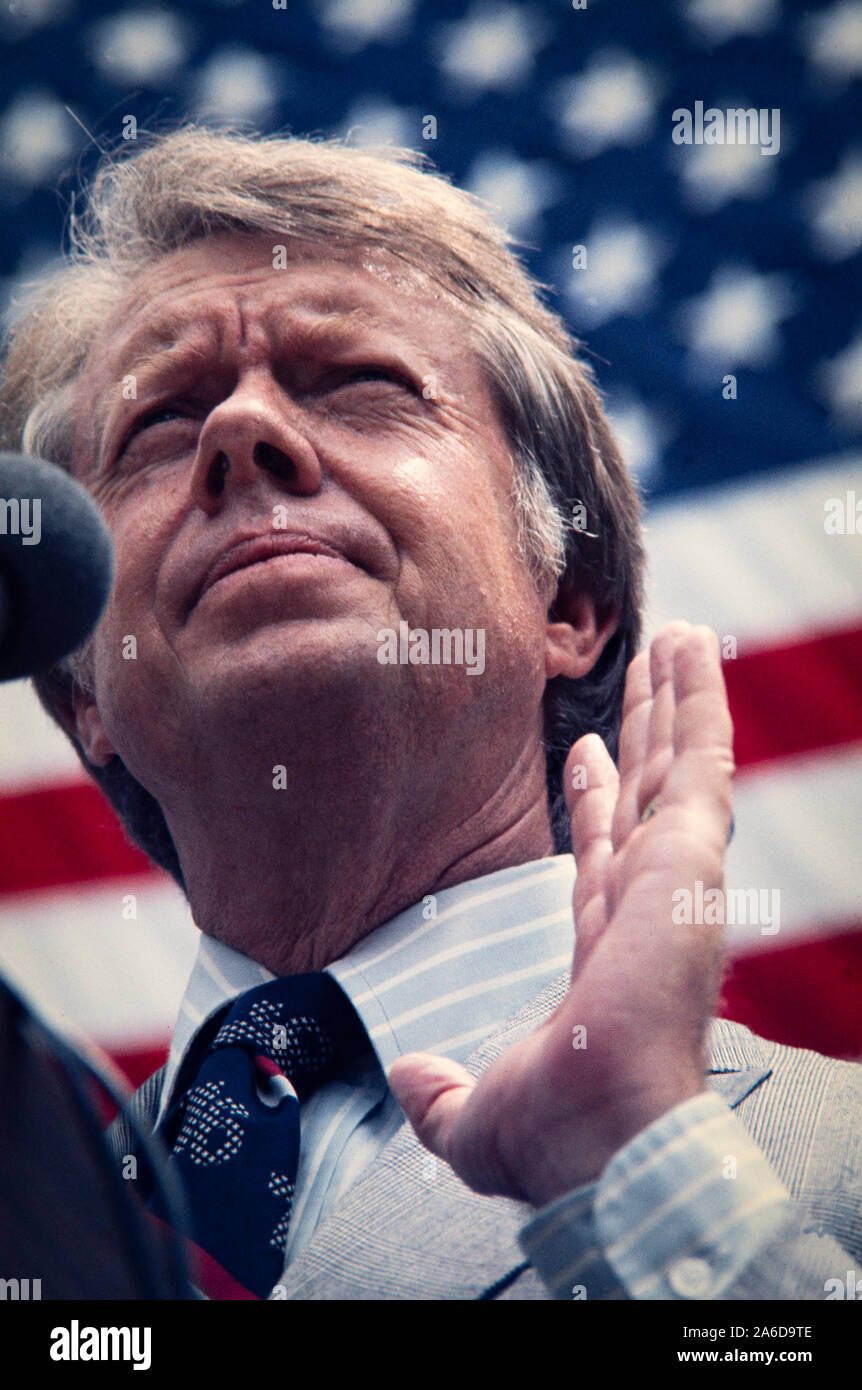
[{"x": 410, "y": 1229}]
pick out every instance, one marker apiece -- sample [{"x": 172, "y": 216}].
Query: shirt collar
[{"x": 438, "y": 977}]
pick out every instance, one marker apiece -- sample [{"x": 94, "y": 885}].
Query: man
[{"x": 378, "y": 583}]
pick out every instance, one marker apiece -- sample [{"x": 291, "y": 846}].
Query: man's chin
[{"x": 294, "y": 659}]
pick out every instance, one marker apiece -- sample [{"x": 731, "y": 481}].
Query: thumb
[{"x": 432, "y": 1092}]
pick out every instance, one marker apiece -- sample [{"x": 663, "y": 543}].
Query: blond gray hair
[{"x": 192, "y": 183}]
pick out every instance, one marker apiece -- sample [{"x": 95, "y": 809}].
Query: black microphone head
[{"x": 56, "y": 565}]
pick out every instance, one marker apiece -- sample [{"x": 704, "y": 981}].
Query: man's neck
[{"x": 294, "y": 878}]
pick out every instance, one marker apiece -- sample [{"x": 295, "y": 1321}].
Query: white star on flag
[
  {"x": 612, "y": 102},
  {"x": 517, "y": 191},
  {"x": 716, "y": 174},
  {"x": 238, "y": 84},
  {"x": 354, "y": 23},
  {"x": 839, "y": 381},
  {"x": 493, "y": 47},
  {"x": 623, "y": 260},
  {"x": 377, "y": 121},
  {"x": 720, "y": 20},
  {"x": 834, "y": 209},
  {"x": 36, "y": 136},
  {"x": 834, "y": 40},
  {"x": 736, "y": 320},
  {"x": 146, "y": 45}
]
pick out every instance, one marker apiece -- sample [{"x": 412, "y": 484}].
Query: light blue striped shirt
[
  {"x": 661, "y": 1222},
  {"x": 439, "y": 977}
]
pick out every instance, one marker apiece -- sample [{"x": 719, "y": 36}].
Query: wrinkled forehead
[
  {"x": 326, "y": 277},
  {"x": 184, "y": 294}
]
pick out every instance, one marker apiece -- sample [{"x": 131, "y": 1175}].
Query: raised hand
[{"x": 627, "y": 1043}]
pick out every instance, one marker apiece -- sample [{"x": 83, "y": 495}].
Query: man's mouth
[{"x": 257, "y": 550}]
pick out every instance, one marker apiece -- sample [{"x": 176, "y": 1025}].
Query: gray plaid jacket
[{"x": 394, "y": 1235}]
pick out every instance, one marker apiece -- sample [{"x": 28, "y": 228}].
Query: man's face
[{"x": 232, "y": 413}]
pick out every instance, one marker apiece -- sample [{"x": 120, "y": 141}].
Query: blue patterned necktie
[{"x": 233, "y": 1131}]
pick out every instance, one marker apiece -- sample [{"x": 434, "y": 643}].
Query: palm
[{"x": 626, "y": 1043}]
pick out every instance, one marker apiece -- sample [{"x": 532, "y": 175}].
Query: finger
[
  {"x": 702, "y": 770},
  {"x": 635, "y": 716},
  {"x": 590, "y": 796},
  {"x": 703, "y": 718},
  {"x": 654, "y": 682},
  {"x": 637, "y": 707},
  {"x": 660, "y": 744},
  {"x": 431, "y": 1091}
]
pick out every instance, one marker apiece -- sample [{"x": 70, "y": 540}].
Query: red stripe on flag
[
  {"x": 137, "y": 1063},
  {"x": 805, "y": 995},
  {"x": 797, "y": 698},
  {"x": 53, "y": 836}
]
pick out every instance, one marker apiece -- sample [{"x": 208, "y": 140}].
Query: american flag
[{"x": 712, "y": 284}]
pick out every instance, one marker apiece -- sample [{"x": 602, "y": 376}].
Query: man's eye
[
  {"x": 154, "y": 417},
  {"x": 354, "y": 375},
  {"x": 160, "y": 414}
]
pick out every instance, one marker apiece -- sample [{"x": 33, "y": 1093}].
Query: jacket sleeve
[{"x": 689, "y": 1209}]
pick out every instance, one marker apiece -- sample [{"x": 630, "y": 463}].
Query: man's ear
[
  {"x": 575, "y": 637},
  {"x": 86, "y": 724}
]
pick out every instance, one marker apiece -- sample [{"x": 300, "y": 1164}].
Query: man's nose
[{"x": 253, "y": 430}]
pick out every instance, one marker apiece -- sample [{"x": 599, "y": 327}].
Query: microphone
[{"x": 56, "y": 565}]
